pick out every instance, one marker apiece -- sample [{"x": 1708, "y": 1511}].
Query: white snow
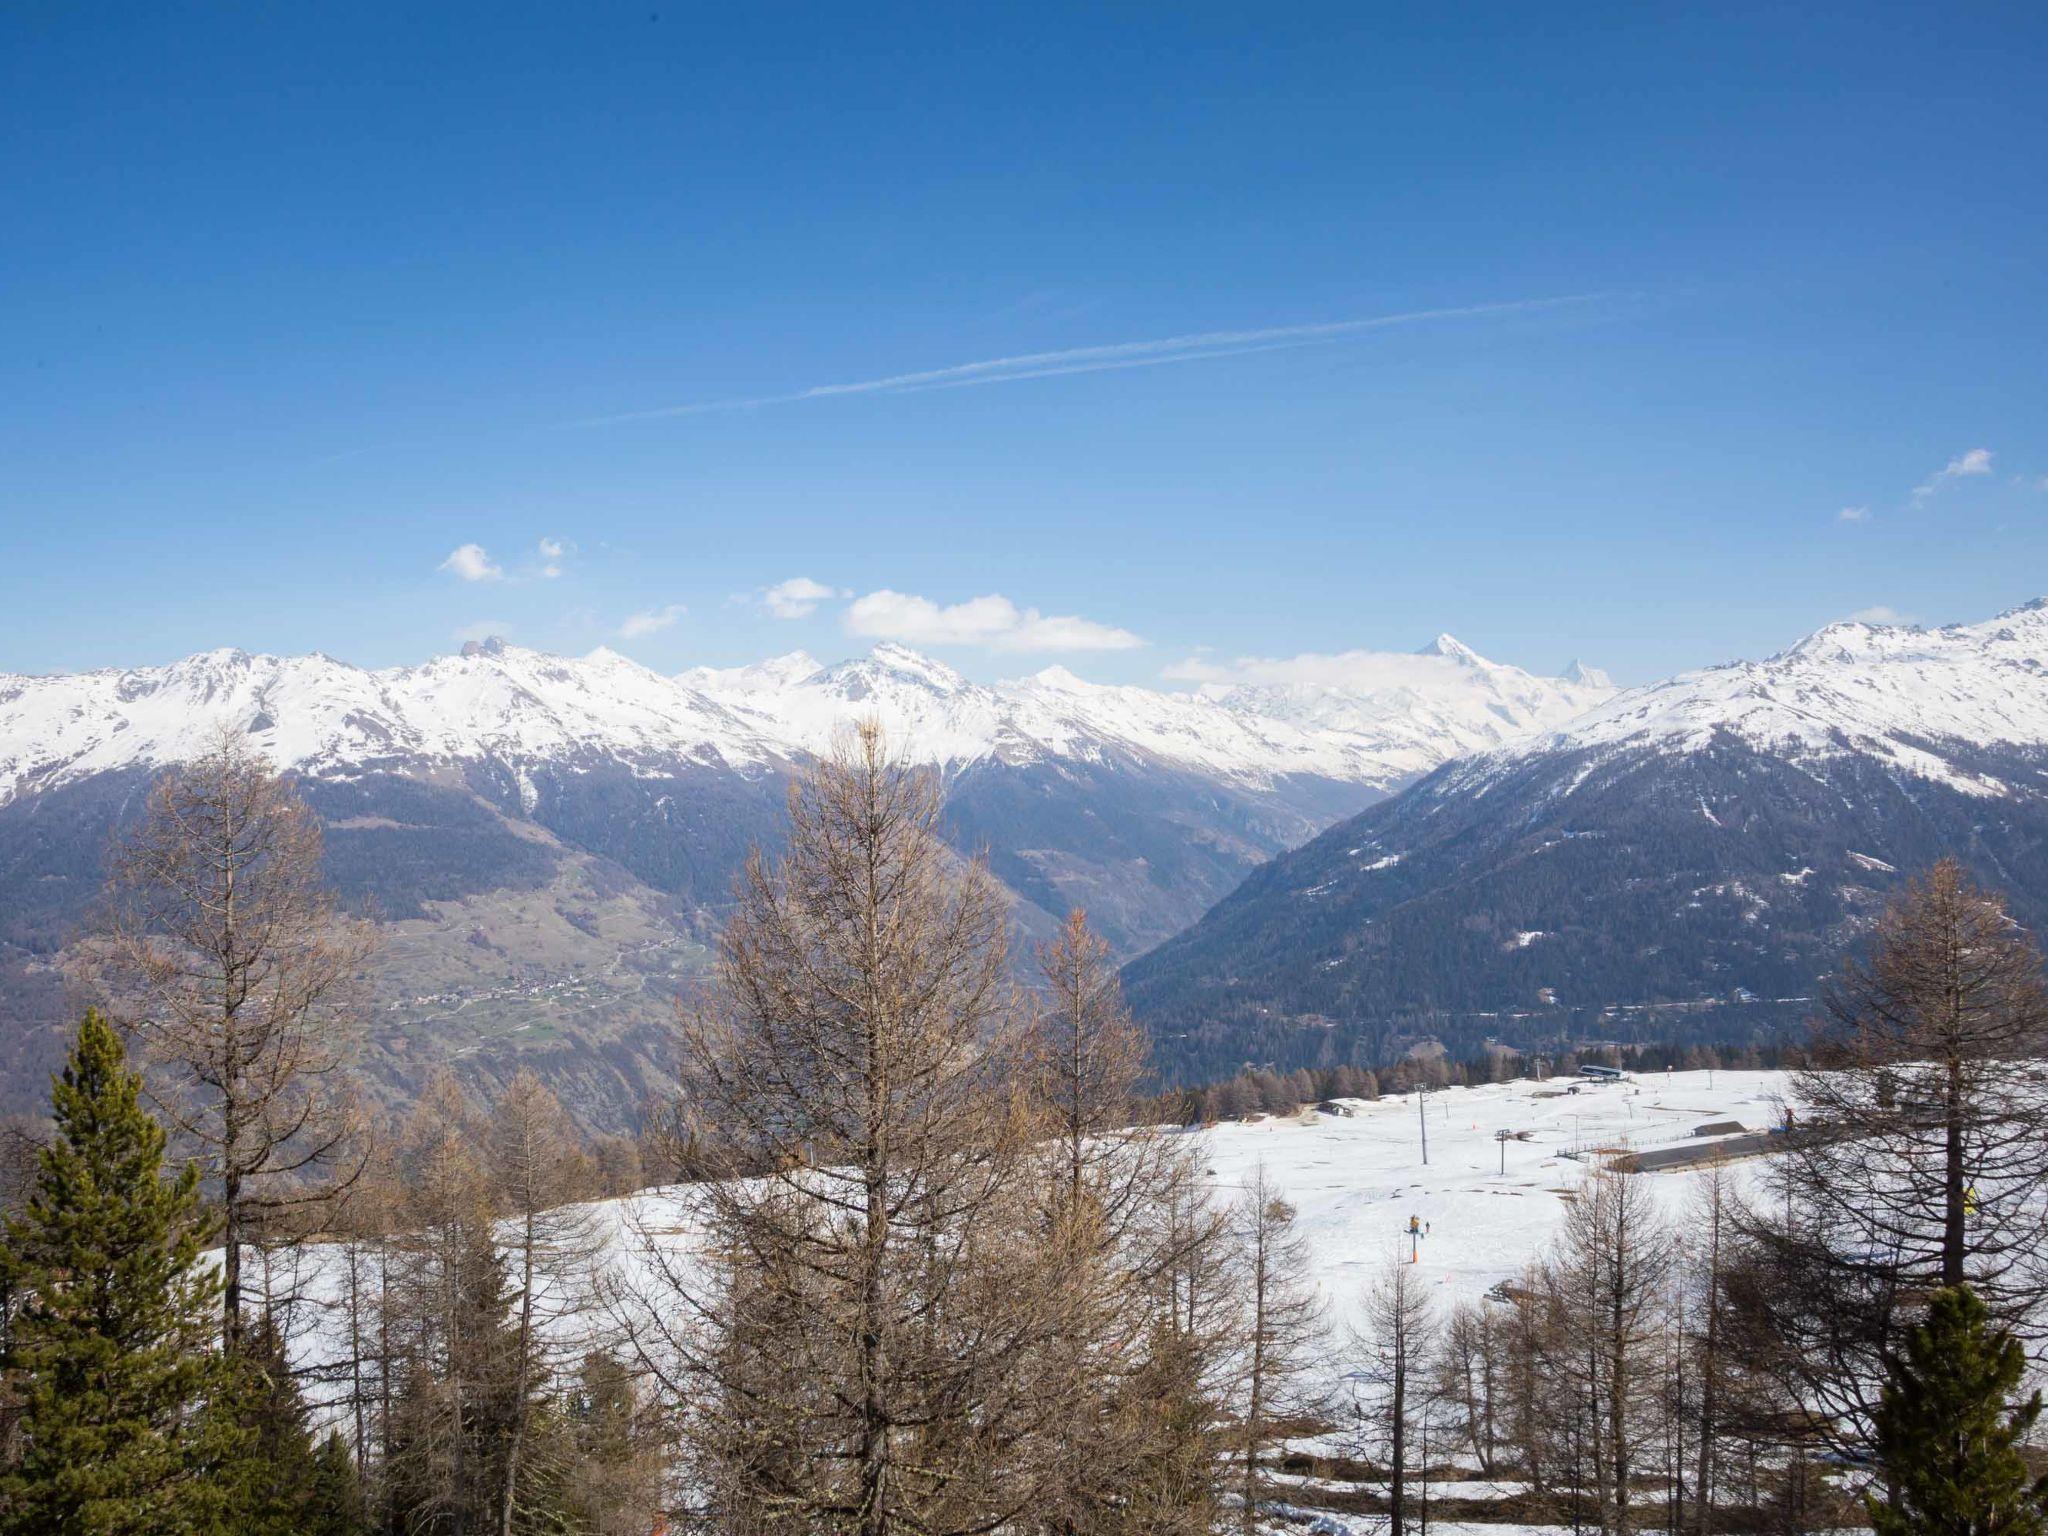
[
  {"x": 1354, "y": 1181},
  {"x": 1413, "y": 713},
  {"x": 1913, "y": 698},
  {"x": 524, "y": 707}
]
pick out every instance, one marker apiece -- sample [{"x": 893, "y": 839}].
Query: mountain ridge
[
  {"x": 493, "y": 699},
  {"x": 1692, "y": 855},
  {"x": 549, "y": 842}
]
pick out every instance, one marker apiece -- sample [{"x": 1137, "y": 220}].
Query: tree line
[
  {"x": 939, "y": 1268},
  {"x": 1265, "y": 1090}
]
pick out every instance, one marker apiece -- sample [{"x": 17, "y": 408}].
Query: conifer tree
[
  {"x": 335, "y": 1505},
  {"x": 257, "y": 1443},
  {"x": 1949, "y": 1441},
  {"x": 110, "y": 1348}
]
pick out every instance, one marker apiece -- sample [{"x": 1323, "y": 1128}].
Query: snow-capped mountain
[
  {"x": 1376, "y": 730},
  {"x": 321, "y": 716},
  {"x": 1926, "y": 701},
  {"x": 1686, "y": 857},
  {"x": 526, "y": 823},
  {"x": 496, "y": 702},
  {"x": 1414, "y": 712}
]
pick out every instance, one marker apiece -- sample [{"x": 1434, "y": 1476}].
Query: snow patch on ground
[{"x": 1355, "y": 1180}]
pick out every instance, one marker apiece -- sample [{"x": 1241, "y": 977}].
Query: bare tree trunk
[
  {"x": 220, "y": 945},
  {"x": 1283, "y": 1318},
  {"x": 875, "y": 1343},
  {"x": 1400, "y": 1334},
  {"x": 1710, "y": 1357},
  {"x": 1918, "y": 1147}
]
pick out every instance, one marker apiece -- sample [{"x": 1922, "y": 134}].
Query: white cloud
[
  {"x": 798, "y": 597},
  {"x": 1344, "y": 671},
  {"x": 992, "y": 621},
  {"x": 1881, "y": 613},
  {"x": 651, "y": 621},
  {"x": 471, "y": 562},
  {"x": 484, "y": 629},
  {"x": 1853, "y": 515},
  {"x": 551, "y": 552},
  {"x": 1975, "y": 462}
]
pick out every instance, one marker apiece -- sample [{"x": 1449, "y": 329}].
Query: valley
[{"x": 548, "y": 844}]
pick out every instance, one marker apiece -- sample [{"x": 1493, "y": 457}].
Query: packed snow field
[
  {"x": 1355, "y": 1178},
  {"x": 1352, "y": 1170}
]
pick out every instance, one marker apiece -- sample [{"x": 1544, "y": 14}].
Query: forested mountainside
[
  {"x": 1684, "y": 860},
  {"x": 549, "y": 842}
]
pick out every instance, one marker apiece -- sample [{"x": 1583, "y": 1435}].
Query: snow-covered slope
[
  {"x": 1898, "y": 693},
  {"x": 324, "y": 716},
  {"x": 1414, "y": 712},
  {"x": 503, "y": 703},
  {"x": 1354, "y": 1180},
  {"x": 1689, "y": 858}
]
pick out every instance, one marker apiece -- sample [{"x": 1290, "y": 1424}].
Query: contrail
[{"x": 1120, "y": 354}]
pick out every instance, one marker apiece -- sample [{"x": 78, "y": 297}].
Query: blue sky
[{"x": 1570, "y": 330}]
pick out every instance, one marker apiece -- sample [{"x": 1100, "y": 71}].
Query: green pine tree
[
  {"x": 335, "y": 1502},
  {"x": 1947, "y": 1436},
  {"x": 256, "y": 1442},
  {"x": 110, "y": 1352}
]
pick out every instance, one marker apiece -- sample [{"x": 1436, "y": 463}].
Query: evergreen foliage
[
  {"x": 1657, "y": 881},
  {"x": 1948, "y": 1435},
  {"x": 452, "y": 1419},
  {"x": 109, "y": 1350},
  {"x": 259, "y": 1441},
  {"x": 335, "y": 1503}
]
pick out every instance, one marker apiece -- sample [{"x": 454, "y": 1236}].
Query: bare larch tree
[
  {"x": 539, "y": 1166},
  {"x": 1106, "y": 1182},
  {"x": 1609, "y": 1284},
  {"x": 1400, "y": 1341},
  {"x": 222, "y": 947},
  {"x": 1916, "y": 1154},
  {"x": 879, "y": 1308},
  {"x": 1282, "y": 1322}
]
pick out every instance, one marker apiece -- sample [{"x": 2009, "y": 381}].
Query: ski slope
[{"x": 1355, "y": 1178}]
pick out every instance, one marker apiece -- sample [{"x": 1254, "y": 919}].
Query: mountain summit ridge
[
  {"x": 1687, "y": 858},
  {"x": 496, "y": 700},
  {"x": 548, "y": 842}
]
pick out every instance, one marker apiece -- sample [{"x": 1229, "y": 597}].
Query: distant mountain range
[
  {"x": 1685, "y": 858},
  {"x": 549, "y": 841}
]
